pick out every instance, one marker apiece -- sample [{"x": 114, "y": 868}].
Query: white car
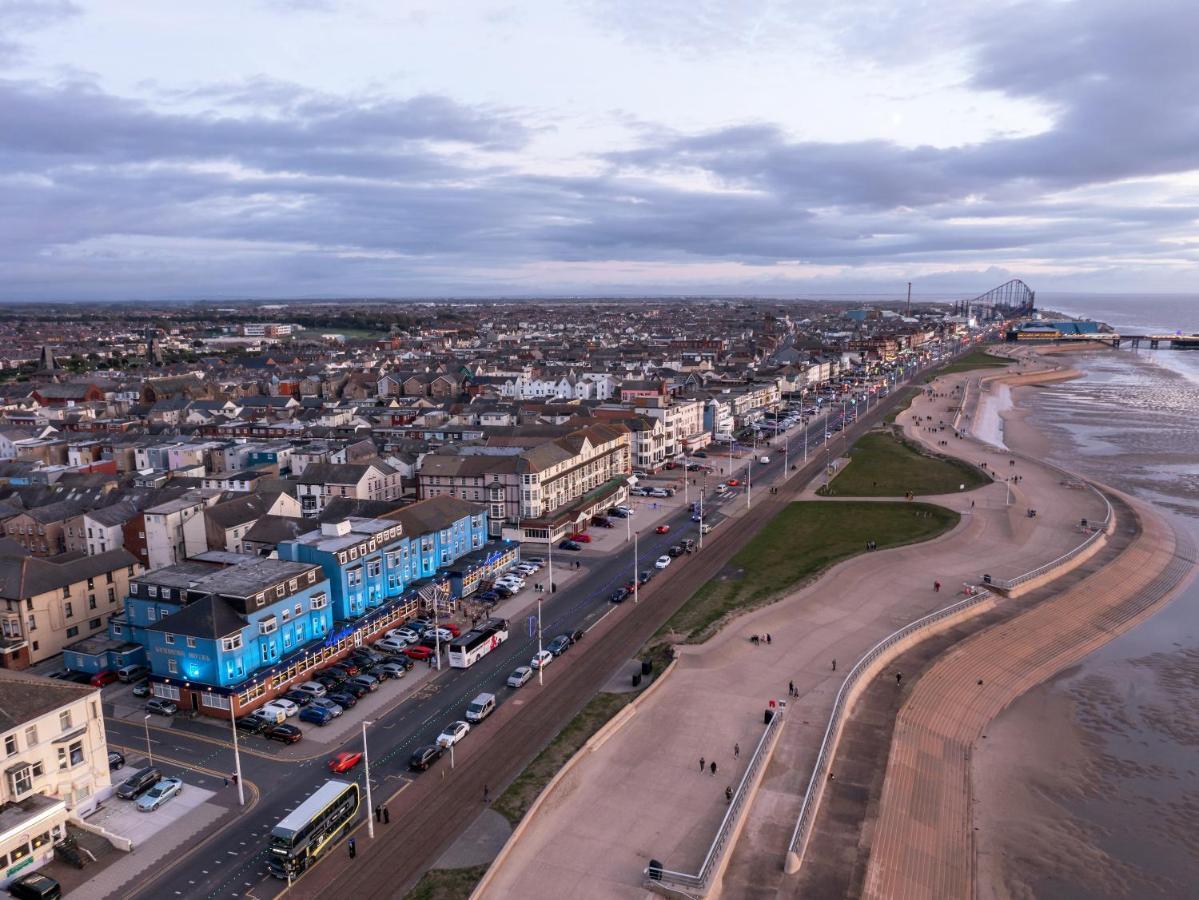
[
  {"x": 286, "y": 707},
  {"x": 512, "y": 581},
  {"x": 403, "y": 634},
  {"x": 541, "y": 660},
  {"x": 520, "y": 677},
  {"x": 443, "y": 634},
  {"x": 662, "y": 562},
  {"x": 452, "y": 734}
]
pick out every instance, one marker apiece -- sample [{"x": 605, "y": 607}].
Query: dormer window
[{"x": 268, "y": 625}]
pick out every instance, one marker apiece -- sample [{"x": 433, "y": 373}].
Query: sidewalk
[{"x": 640, "y": 795}]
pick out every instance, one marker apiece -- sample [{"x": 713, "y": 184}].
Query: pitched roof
[
  {"x": 24, "y": 697},
  {"x": 209, "y": 617}
]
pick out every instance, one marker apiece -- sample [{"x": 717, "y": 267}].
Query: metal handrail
[
  {"x": 699, "y": 880},
  {"x": 815, "y": 789}
]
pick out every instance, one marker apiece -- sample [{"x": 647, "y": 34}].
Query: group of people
[{"x": 756, "y": 639}]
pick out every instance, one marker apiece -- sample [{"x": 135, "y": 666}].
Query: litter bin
[
  {"x": 655, "y": 870},
  {"x": 636, "y": 679},
  {"x": 767, "y": 716},
  {"x": 647, "y": 666},
  {"x": 986, "y": 579}
]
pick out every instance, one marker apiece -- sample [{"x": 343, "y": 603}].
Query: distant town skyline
[{"x": 318, "y": 149}]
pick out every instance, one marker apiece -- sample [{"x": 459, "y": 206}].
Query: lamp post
[
  {"x": 636, "y": 571},
  {"x": 701, "y": 514},
  {"x": 149, "y": 749},
  {"x": 241, "y": 794},
  {"x": 436, "y": 635},
  {"x": 686, "y": 470},
  {"x": 540, "y": 667},
  {"x": 366, "y": 771},
  {"x": 749, "y": 480}
]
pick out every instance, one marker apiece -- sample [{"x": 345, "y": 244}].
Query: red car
[
  {"x": 102, "y": 678},
  {"x": 418, "y": 652},
  {"x": 452, "y": 628},
  {"x": 343, "y": 762},
  {"x": 581, "y": 537},
  {"x": 662, "y": 529},
  {"x": 732, "y": 482}
]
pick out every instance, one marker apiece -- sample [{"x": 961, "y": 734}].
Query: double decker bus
[
  {"x": 471, "y": 647},
  {"x": 312, "y": 828}
]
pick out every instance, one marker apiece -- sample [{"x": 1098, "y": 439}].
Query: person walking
[
  {"x": 378, "y": 813},
  {"x": 713, "y": 767},
  {"x": 486, "y": 794},
  {"x": 834, "y": 665},
  {"x": 702, "y": 765},
  {"x": 386, "y": 816},
  {"x": 736, "y": 751},
  {"x": 936, "y": 587},
  {"x": 353, "y": 847},
  {"x": 898, "y": 677},
  {"x": 790, "y": 688},
  {"x": 728, "y": 793}
]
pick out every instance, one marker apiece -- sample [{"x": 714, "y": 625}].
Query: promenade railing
[
  {"x": 658, "y": 875},
  {"x": 841, "y": 709}
]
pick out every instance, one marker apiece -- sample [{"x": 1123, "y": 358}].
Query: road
[{"x": 435, "y": 807}]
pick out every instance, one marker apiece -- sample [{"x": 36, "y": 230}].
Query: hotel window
[
  {"x": 172, "y": 667},
  {"x": 64, "y": 720},
  {"x": 268, "y": 625},
  {"x": 73, "y": 631},
  {"x": 231, "y": 643},
  {"x": 152, "y": 614},
  {"x": 320, "y": 601},
  {"x": 312, "y": 577},
  {"x": 69, "y": 757},
  {"x": 10, "y": 745},
  {"x": 153, "y": 590},
  {"x": 279, "y": 591},
  {"x": 169, "y": 638},
  {"x": 31, "y": 736},
  {"x": 21, "y": 781},
  {"x": 299, "y": 608},
  {"x": 93, "y": 624}
]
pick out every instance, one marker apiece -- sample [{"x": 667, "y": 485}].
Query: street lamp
[
  {"x": 241, "y": 794},
  {"x": 636, "y": 572},
  {"x": 366, "y": 771},
  {"x": 540, "y": 661},
  {"x": 149, "y": 749}
]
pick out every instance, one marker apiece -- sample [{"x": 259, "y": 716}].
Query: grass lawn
[
  {"x": 446, "y": 884},
  {"x": 906, "y": 396},
  {"x": 977, "y": 359},
  {"x": 801, "y": 542},
  {"x": 883, "y": 465}
]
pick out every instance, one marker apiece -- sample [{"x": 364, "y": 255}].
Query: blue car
[{"x": 316, "y": 715}]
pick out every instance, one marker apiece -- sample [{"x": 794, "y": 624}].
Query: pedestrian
[
  {"x": 233, "y": 778},
  {"x": 790, "y": 688},
  {"x": 768, "y": 637},
  {"x": 834, "y": 665},
  {"x": 386, "y": 816},
  {"x": 378, "y": 813},
  {"x": 486, "y": 794},
  {"x": 728, "y": 793},
  {"x": 936, "y": 587},
  {"x": 353, "y": 848},
  {"x": 226, "y": 782},
  {"x": 736, "y": 751},
  {"x": 702, "y": 765},
  {"x": 713, "y": 767},
  {"x": 898, "y": 677},
  {"x": 972, "y": 504}
]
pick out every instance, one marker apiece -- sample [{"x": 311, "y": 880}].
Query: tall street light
[
  {"x": 366, "y": 771},
  {"x": 636, "y": 572},
  {"x": 241, "y": 793},
  {"x": 149, "y": 749}
]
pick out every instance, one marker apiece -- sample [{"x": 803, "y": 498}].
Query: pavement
[{"x": 640, "y": 796}]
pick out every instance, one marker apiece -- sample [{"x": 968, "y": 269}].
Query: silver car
[
  {"x": 520, "y": 677},
  {"x": 159, "y": 794}
]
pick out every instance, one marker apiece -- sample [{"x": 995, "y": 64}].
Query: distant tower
[
  {"x": 909, "y": 311},
  {"x": 48, "y": 363},
  {"x": 154, "y": 352}
]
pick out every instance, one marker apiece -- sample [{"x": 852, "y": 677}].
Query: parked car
[
  {"x": 646, "y": 575},
  {"x": 343, "y": 762},
  {"x": 312, "y": 689},
  {"x": 489, "y": 596},
  {"x": 116, "y": 760},
  {"x": 403, "y": 634},
  {"x": 35, "y": 886},
  {"x": 662, "y": 562},
  {"x": 368, "y": 682},
  {"x": 389, "y": 645},
  {"x": 576, "y": 635},
  {"x": 541, "y": 660},
  {"x": 328, "y": 705},
  {"x": 159, "y": 794},
  {"x": 559, "y": 645},
  {"x": 675, "y": 550},
  {"x": 316, "y": 715},
  {"x": 299, "y": 698},
  {"x": 161, "y": 707},
  {"x": 344, "y": 699},
  {"x": 619, "y": 595},
  {"x": 453, "y": 733},
  {"x": 132, "y": 674},
  {"x": 345, "y": 668},
  {"x": 570, "y": 545},
  {"x": 100, "y": 679},
  {"x": 288, "y": 734},
  {"x": 602, "y": 522},
  {"x": 138, "y": 783},
  {"x": 618, "y": 512},
  {"x": 251, "y": 724},
  {"x": 142, "y": 688},
  {"x": 503, "y": 590},
  {"x": 421, "y": 653},
  {"x": 286, "y": 707},
  {"x": 391, "y": 670},
  {"x": 520, "y": 677},
  {"x": 582, "y": 537},
  {"x": 424, "y": 757}
]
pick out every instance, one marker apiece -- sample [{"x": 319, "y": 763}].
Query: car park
[
  {"x": 316, "y": 715},
  {"x": 662, "y": 562},
  {"x": 142, "y": 688},
  {"x": 559, "y": 645},
  {"x": 343, "y": 762},
  {"x": 541, "y": 660},
  {"x": 453, "y": 733},
  {"x": 287, "y": 734},
  {"x": 570, "y": 545},
  {"x": 328, "y": 705},
  {"x": 161, "y": 707},
  {"x": 423, "y": 757},
  {"x": 519, "y": 677},
  {"x": 116, "y": 760},
  {"x": 159, "y": 794},
  {"x": 138, "y": 783},
  {"x": 284, "y": 706}
]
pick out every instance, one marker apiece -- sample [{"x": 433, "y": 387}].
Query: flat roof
[{"x": 359, "y": 528}]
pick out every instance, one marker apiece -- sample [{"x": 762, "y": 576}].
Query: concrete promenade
[{"x": 640, "y": 795}]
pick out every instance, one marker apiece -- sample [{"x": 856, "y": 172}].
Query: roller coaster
[{"x": 1011, "y": 300}]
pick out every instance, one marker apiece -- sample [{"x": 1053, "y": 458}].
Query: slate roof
[
  {"x": 24, "y": 697},
  {"x": 27, "y": 577}
]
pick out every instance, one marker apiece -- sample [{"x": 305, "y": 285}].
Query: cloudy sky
[{"x": 312, "y": 148}]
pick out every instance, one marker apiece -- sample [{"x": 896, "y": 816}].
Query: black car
[
  {"x": 364, "y": 661},
  {"x": 645, "y": 575},
  {"x": 35, "y": 886},
  {"x": 570, "y": 545},
  {"x": 288, "y": 734},
  {"x": 251, "y": 724},
  {"x": 78, "y": 677},
  {"x": 576, "y": 635},
  {"x": 406, "y": 661},
  {"x": 602, "y": 521},
  {"x": 618, "y": 595},
  {"x": 490, "y": 597},
  {"x": 344, "y": 699},
  {"x": 116, "y": 760},
  {"x": 676, "y": 550},
  {"x": 559, "y": 645},
  {"x": 424, "y": 757},
  {"x": 503, "y": 591},
  {"x": 138, "y": 783},
  {"x": 299, "y": 698},
  {"x": 328, "y": 680}
]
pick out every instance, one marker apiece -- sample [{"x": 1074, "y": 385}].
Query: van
[
  {"x": 139, "y": 782},
  {"x": 272, "y": 714},
  {"x": 764, "y": 459},
  {"x": 130, "y": 674},
  {"x": 480, "y": 708}
]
